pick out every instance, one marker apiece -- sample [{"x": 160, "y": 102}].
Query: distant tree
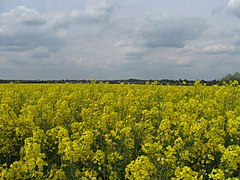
[{"x": 231, "y": 77}]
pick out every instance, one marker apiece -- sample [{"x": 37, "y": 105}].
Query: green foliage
[{"x": 231, "y": 77}]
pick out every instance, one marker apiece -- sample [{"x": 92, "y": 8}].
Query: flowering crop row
[{"x": 102, "y": 131}]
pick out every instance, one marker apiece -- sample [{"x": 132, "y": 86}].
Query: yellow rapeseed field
[{"x": 103, "y": 131}]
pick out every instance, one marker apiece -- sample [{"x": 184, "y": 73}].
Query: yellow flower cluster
[
  {"x": 104, "y": 131},
  {"x": 141, "y": 168}
]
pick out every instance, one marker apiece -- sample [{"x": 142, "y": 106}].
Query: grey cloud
[
  {"x": 77, "y": 40},
  {"x": 237, "y": 40},
  {"x": 160, "y": 70},
  {"x": 147, "y": 36},
  {"x": 129, "y": 50},
  {"x": 217, "y": 10},
  {"x": 23, "y": 29},
  {"x": 235, "y": 35},
  {"x": 234, "y": 7},
  {"x": 22, "y": 41},
  {"x": 40, "y": 53},
  {"x": 18, "y": 62},
  {"x": 171, "y": 32},
  {"x": 34, "y": 22}
]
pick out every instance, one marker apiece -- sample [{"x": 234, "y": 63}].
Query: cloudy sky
[{"x": 112, "y": 39}]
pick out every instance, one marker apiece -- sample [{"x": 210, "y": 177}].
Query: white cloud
[
  {"x": 24, "y": 16},
  {"x": 184, "y": 61},
  {"x": 98, "y": 13},
  {"x": 23, "y": 29},
  {"x": 234, "y": 7},
  {"x": 130, "y": 51},
  {"x": 210, "y": 48},
  {"x": 218, "y": 48},
  {"x": 133, "y": 52}
]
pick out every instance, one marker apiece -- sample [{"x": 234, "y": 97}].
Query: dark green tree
[{"x": 231, "y": 77}]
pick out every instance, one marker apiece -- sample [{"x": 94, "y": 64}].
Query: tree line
[{"x": 227, "y": 78}]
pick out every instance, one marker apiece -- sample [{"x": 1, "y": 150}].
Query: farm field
[{"x": 104, "y": 131}]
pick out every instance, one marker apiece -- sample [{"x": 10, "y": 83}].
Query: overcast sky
[{"x": 112, "y": 39}]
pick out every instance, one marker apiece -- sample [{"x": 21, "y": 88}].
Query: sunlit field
[{"x": 103, "y": 131}]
